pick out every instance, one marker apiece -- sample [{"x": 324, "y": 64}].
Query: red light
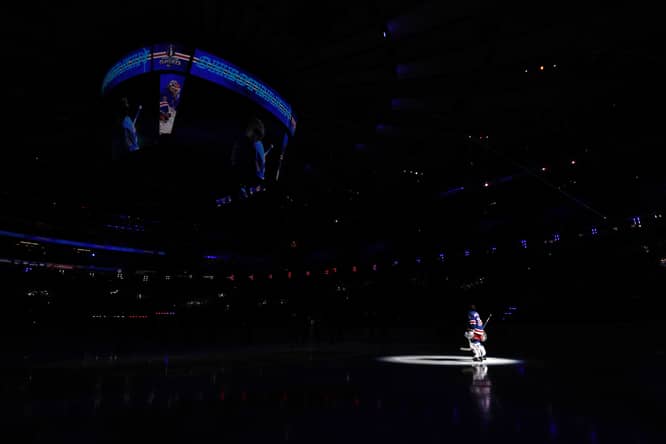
[
  {"x": 307, "y": 274},
  {"x": 354, "y": 269},
  {"x": 251, "y": 277},
  {"x": 335, "y": 270},
  {"x": 289, "y": 275},
  {"x": 270, "y": 275},
  {"x": 374, "y": 267}
]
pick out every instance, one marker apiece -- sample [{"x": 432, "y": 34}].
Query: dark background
[{"x": 400, "y": 104}]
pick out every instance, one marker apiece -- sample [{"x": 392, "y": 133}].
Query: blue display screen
[
  {"x": 133, "y": 64},
  {"x": 173, "y": 57},
  {"x": 217, "y": 70}
]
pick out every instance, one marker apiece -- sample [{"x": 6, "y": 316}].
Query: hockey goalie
[{"x": 475, "y": 334}]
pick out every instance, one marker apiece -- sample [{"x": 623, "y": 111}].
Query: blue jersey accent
[
  {"x": 474, "y": 320},
  {"x": 131, "y": 138},
  {"x": 261, "y": 159}
]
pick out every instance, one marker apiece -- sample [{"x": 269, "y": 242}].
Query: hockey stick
[
  {"x": 137, "y": 114},
  {"x": 467, "y": 348}
]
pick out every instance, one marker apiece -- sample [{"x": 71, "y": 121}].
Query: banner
[{"x": 171, "y": 86}]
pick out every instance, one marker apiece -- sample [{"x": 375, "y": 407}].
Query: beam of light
[
  {"x": 31, "y": 263},
  {"x": 451, "y": 191},
  {"x": 52, "y": 240},
  {"x": 449, "y": 360}
]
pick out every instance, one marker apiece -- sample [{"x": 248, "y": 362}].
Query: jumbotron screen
[
  {"x": 170, "y": 98},
  {"x": 199, "y": 63},
  {"x": 133, "y": 64}
]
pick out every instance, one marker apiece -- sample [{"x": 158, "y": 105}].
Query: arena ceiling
[{"x": 477, "y": 117}]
